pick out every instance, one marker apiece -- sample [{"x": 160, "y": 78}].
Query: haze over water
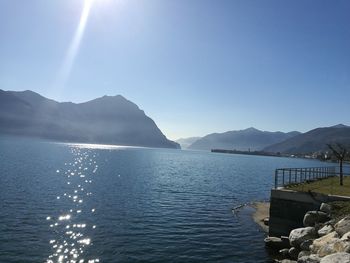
[{"x": 68, "y": 203}]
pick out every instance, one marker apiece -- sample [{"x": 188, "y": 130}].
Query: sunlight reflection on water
[
  {"x": 100, "y": 146},
  {"x": 140, "y": 205},
  {"x": 72, "y": 236}
]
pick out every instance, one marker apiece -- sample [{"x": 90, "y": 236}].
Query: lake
[{"x": 94, "y": 203}]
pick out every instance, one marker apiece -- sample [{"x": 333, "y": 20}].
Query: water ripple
[{"x": 78, "y": 203}]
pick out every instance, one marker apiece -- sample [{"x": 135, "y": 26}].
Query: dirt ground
[{"x": 262, "y": 210}]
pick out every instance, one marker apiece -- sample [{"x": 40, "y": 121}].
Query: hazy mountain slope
[
  {"x": 313, "y": 140},
  {"x": 186, "y": 142},
  {"x": 110, "y": 119},
  {"x": 243, "y": 140}
]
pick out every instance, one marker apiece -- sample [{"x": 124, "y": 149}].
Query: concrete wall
[{"x": 288, "y": 208}]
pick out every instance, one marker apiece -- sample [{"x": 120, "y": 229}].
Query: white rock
[
  {"x": 336, "y": 258},
  {"x": 343, "y": 226},
  {"x": 325, "y": 230},
  {"x": 336, "y": 246},
  {"x": 299, "y": 235},
  {"x": 326, "y": 208},
  {"x": 322, "y": 241}
]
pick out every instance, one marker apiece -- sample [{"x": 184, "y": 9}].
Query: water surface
[{"x": 68, "y": 203}]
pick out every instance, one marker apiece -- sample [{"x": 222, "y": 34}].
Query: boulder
[
  {"x": 286, "y": 240},
  {"x": 306, "y": 245},
  {"x": 325, "y": 230},
  {"x": 287, "y": 261},
  {"x": 322, "y": 241},
  {"x": 293, "y": 253},
  {"x": 275, "y": 243},
  {"x": 303, "y": 254},
  {"x": 326, "y": 208},
  {"x": 331, "y": 222},
  {"x": 346, "y": 237},
  {"x": 336, "y": 258},
  {"x": 313, "y": 217},
  {"x": 309, "y": 259},
  {"x": 335, "y": 246},
  {"x": 342, "y": 246},
  {"x": 343, "y": 226},
  {"x": 284, "y": 252},
  {"x": 299, "y": 235}
]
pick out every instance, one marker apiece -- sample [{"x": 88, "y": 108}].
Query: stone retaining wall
[{"x": 287, "y": 209}]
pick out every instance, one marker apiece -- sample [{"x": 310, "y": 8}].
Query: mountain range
[
  {"x": 252, "y": 139},
  {"x": 116, "y": 120},
  {"x": 107, "y": 120},
  {"x": 242, "y": 140},
  {"x": 313, "y": 141}
]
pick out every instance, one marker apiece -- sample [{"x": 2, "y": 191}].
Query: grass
[
  {"x": 324, "y": 186},
  {"x": 340, "y": 209}
]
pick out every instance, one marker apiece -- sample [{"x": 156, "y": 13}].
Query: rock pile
[{"x": 321, "y": 240}]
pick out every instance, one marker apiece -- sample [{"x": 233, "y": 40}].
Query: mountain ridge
[
  {"x": 246, "y": 139},
  {"x": 313, "y": 140},
  {"x": 108, "y": 119}
]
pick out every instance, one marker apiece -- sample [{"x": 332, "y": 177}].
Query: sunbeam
[{"x": 72, "y": 52}]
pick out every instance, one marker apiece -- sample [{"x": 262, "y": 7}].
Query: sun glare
[{"x": 73, "y": 49}]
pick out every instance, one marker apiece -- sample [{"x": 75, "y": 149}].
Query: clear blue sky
[{"x": 194, "y": 66}]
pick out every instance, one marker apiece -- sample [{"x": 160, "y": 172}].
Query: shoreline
[{"x": 262, "y": 211}]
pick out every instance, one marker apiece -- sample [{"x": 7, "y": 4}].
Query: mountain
[
  {"x": 108, "y": 120},
  {"x": 186, "y": 142},
  {"x": 314, "y": 140},
  {"x": 243, "y": 140}
]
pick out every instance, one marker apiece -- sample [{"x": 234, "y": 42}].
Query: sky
[{"x": 194, "y": 66}]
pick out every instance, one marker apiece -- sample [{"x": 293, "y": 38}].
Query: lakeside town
[{"x": 327, "y": 156}]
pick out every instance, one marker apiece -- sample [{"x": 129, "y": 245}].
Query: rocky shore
[{"x": 325, "y": 238}]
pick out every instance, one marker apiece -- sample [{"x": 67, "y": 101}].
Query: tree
[{"x": 340, "y": 152}]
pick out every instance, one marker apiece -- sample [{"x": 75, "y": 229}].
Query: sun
[{"x": 88, "y": 3}]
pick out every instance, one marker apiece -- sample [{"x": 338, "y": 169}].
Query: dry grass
[
  {"x": 340, "y": 209},
  {"x": 325, "y": 186}
]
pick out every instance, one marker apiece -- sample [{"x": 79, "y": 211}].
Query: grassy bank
[
  {"x": 325, "y": 186},
  {"x": 340, "y": 209}
]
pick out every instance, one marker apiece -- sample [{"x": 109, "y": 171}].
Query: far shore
[{"x": 262, "y": 210}]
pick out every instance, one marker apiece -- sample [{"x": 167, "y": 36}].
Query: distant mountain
[
  {"x": 109, "y": 120},
  {"x": 313, "y": 141},
  {"x": 243, "y": 140},
  {"x": 186, "y": 142}
]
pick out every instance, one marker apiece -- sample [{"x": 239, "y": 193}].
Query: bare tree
[{"x": 340, "y": 152}]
